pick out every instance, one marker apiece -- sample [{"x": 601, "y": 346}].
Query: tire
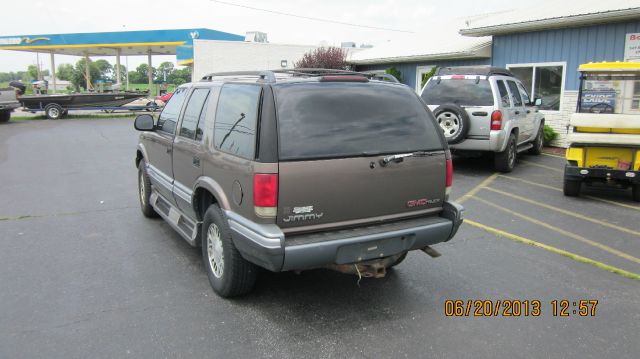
[
  {"x": 398, "y": 261},
  {"x": 635, "y": 191},
  {"x": 144, "y": 192},
  {"x": 505, "y": 161},
  {"x": 571, "y": 188},
  {"x": 53, "y": 111},
  {"x": 5, "y": 116},
  {"x": 230, "y": 275},
  {"x": 538, "y": 143},
  {"x": 453, "y": 121}
]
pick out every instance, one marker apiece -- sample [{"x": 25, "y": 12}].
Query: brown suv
[{"x": 295, "y": 170}]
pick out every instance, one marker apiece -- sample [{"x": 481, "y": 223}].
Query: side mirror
[
  {"x": 144, "y": 122},
  {"x": 537, "y": 101}
]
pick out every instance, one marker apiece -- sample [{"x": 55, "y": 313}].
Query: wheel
[
  {"x": 505, "y": 161},
  {"x": 453, "y": 121},
  {"x": 635, "y": 191},
  {"x": 5, "y": 116},
  {"x": 229, "y": 274},
  {"x": 571, "y": 188},
  {"x": 151, "y": 106},
  {"x": 538, "y": 142},
  {"x": 53, "y": 111},
  {"x": 399, "y": 260},
  {"x": 144, "y": 192}
]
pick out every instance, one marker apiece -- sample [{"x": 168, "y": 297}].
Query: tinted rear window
[
  {"x": 460, "y": 92},
  {"x": 326, "y": 120}
]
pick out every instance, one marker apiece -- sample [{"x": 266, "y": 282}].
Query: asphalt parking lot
[{"x": 84, "y": 274}]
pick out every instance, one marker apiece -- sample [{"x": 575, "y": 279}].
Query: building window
[{"x": 545, "y": 81}]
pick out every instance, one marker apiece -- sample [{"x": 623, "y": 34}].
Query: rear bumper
[
  {"x": 266, "y": 245},
  {"x": 572, "y": 173},
  {"x": 9, "y": 106},
  {"x": 495, "y": 143}
]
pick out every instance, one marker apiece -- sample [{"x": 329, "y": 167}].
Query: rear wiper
[{"x": 400, "y": 157}]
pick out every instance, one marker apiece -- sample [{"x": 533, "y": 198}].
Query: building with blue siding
[{"x": 543, "y": 45}]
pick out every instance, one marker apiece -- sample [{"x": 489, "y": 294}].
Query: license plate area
[{"x": 364, "y": 251}]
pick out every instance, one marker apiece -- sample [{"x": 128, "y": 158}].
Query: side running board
[{"x": 188, "y": 229}]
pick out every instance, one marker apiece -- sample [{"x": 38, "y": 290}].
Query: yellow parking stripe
[
  {"x": 562, "y": 231},
  {"x": 568, "y": 213},
  {"x": 475, "y": 189},
  {"x": 550, "y": 155},
  {"x": 542, "y": 166},
  {"x": 553, "y": 249},
  {"x": 637, "y": 208}
]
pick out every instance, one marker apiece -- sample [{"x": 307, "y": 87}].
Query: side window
[
  {"x": 515, "y": 93},
  {"x": 236, "y": 117},
  {"x": 504, "y": 94},
  {"x": 193, "y": 113},
  {"x": 525, "y": 95},
  {"x": 169, "y": 115}
]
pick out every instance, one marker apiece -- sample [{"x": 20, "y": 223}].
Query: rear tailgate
[{"x": 332, "y": 140}]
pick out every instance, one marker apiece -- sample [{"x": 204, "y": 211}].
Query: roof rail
[
  {"x": 263, "y": 76},
  {"x": 270, "y": 75},
  {"x": 482, "y": 70}
]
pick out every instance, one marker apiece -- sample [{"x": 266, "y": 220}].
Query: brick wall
[{"x": 560, "y": 120}]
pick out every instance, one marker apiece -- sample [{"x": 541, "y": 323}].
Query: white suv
[{"x": 482, "y": 108}]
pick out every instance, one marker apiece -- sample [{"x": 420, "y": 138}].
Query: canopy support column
[
  {"x": 87, "y": 73},
  {"x": 118, "y": 79},
  {"x": 53, "y": 71},
  {"x": 150, "y": 73}
]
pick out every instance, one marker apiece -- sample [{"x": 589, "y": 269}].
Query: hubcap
[
  {"x": 449, "y": 122},
  {"x": 214, "y": 250},
  {"x": 54, "y": 112},
  {"x": 143, "y": 190}
]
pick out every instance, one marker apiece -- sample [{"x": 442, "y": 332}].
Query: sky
[{"x": 424, "y": 17}]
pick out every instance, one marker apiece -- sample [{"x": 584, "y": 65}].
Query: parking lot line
[
  {"x": 637, "y": 208},
  {"x": 542, "y": 166},
  {"x": 561, "y": 231},
  {"x": 562, "y": 252},
  {"x": 563, "y": 211},
  {"x": 475, "y": 189},
  {"x": 550, "y": 155}
]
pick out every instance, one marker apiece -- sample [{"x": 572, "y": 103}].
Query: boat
[{"x": 80, "y": 100}]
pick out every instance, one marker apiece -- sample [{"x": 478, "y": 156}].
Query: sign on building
[{"x": 632, "y": 47}]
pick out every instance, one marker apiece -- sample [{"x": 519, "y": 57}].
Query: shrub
[
  {"x": 324, "y": 58},
  {"x": 549, "y": 135}
]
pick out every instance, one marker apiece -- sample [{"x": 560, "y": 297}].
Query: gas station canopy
[{"x": 126, "y": 43}]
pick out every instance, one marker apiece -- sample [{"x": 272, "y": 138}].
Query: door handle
[
  {"x": 517, "y": 112},
  {"x": 196, "y": 161},
  {"x": 169, "y": 150},
  {"x": 528, "y": 111}
]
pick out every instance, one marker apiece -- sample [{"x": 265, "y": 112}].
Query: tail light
[
  {"x": 449, "y": 180},
  {"x": 496, "y": 121},
  {"x": 265, "y": 194},
  {"x": 458, "y": 77}
]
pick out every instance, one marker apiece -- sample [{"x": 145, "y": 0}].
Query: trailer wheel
[
  {"x": 53, "y": 111},
  {"x": 636, "y": 192}
]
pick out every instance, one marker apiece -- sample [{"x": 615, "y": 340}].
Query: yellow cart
[{"x": 604, "y": 146}]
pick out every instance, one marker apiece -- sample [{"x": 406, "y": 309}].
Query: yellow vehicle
[{"x": 604, "y": 146}]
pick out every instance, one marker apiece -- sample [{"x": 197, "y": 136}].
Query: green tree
[
  {"x": 32, "y": 70},
  {"x": 105, "y": 68},
  {"x": 395, "y": 73},
  {"x": 165, "y": 70},
  {"x": 180, "y": 76},
  {"x": 65, "y": 72},
  {"x": 426, "y": 76},
  {"x": 143, "y": 70},
  {"x": 78, "y": 80}
]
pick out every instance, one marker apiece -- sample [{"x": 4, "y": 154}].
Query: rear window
[
  {"x": 463, "y": 92},
  {"x": 328, "y": 120}
]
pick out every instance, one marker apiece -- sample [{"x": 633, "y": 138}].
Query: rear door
[
  {"x": 530, "y": 111},
  {"x": 473, "y": 93},
  {"x": 188, "y": 149},
  {"x": 518, "y": 113},
  {"x": 333, "y": 137}
]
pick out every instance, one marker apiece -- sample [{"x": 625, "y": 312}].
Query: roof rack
[
  {"x": 270, "y": 75},
  {"x": 472, "y": 70}
]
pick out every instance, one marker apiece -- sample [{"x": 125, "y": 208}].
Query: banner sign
[
  {"x": 603, "y": 99},
  {"x": 632, "y": 47}
]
